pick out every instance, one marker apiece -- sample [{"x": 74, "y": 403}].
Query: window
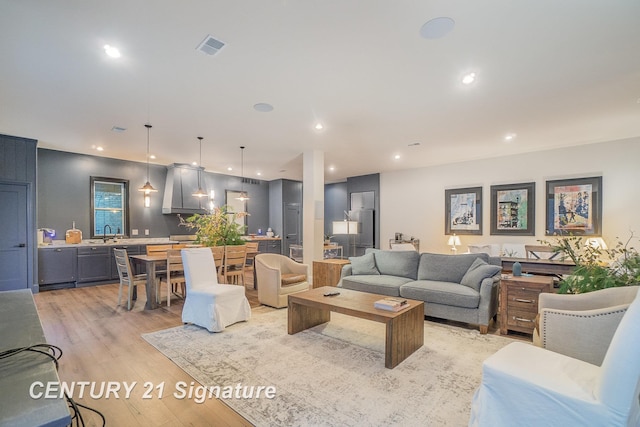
[{"x": 109, "y": 206}]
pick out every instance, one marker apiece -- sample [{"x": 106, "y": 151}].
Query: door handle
[{"x": 21, "y": 245}]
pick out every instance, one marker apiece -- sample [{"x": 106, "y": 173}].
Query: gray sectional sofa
[{"x": 463, "y": 287}]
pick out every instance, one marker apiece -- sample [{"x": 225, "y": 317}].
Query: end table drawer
[
  {"x": 523, "y": 299},
  {"x": 522, "y": 319}
]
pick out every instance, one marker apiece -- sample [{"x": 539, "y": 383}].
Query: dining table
[{"x": 150, "y": 262}]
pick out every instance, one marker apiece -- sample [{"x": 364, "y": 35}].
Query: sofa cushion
[
  {"x": 438, "y": 292},
  {"x": 397, "y": 263},
  {"x": 375, "y": 284},
  {"x": 446, "y": 268},
  {"x": 365, "y": 264},
  {"x": 479, "y": 271}
]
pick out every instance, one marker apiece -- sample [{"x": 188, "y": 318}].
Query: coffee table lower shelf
[{"x": 404, "y": 329}]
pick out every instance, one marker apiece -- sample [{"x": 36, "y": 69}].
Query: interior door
[
  {"x": 13, "y": 237},
  {"x": 291, "y": 226}
]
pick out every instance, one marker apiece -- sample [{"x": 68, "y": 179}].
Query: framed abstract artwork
[
  {"x": 574, "y": 206},
  {"x": 463, "y": 211},
  {"x": 513, "y": 209}
]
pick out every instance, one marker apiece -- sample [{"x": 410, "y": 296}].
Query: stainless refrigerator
[{"x": 366, "y": 227}]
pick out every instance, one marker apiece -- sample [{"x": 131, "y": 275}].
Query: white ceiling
[{"x": 556, "y": 73}]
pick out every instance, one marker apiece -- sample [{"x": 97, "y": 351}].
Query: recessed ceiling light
[
  {"x": 263, "y": 107},
  {"x": 332, "y": 168},
  {"x": 194, "y": 163},
  {"x": 259, "y": 173},
  {"x": 510, "y": 137},
  {"x": 112, "y": 51},
  {"x": 319, "y": 126},
  {"x": 469, "y": 78},
  {"x": 99, "y": 148},
  {"x": 437, "y": 27},
  {"x": 397, "y": 156},
  {"x": 229, "y": 168},
  {"x": 152, "y": 156}
]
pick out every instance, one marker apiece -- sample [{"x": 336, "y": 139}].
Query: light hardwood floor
[{"x": 103, "y": 343}]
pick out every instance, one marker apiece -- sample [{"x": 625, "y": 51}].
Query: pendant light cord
[{"x": 148, "y": 126}]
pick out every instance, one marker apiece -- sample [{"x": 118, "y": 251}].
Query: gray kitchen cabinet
[
  {"x": 57, "y": 266},
  {"x": 94, "y": 264},
  {"x": 270, "y": 247}
]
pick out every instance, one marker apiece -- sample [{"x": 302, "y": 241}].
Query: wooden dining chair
[
  {"x": 252, "y": 251},
  {"x": 127, "y": 278},
  {"x": 159, "y": 250},
  {"x": 235, "y": 258},
  {"x": 218, "y": 258},
  {"x": 541, "y": 252},
  {"x": 175, "y": 274}
]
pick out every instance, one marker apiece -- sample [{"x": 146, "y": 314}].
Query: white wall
[{"x": 412, "y": 201}]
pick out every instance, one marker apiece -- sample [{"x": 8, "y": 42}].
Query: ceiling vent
[{"x": 210, "y": 46}]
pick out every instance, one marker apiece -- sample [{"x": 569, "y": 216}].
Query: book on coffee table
[{"x": 391, "y": 304}]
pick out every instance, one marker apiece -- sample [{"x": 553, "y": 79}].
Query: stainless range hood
[{"x": 182, "y": 182}]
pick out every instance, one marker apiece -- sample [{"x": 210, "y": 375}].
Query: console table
[
  {"x": 548, "y": 267},
  {"x": 20, "y": 327}
]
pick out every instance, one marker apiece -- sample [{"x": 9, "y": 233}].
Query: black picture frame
[
  {"x": 463, "y": 211},
  {"x": 574, "y": 206},
  {"x": 513, "y": 208}
]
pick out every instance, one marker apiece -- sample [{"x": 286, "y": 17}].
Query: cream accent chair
[
  {"x": 278, "y": 277},
  {"x": 524, "y": 385},
  {"x": 582, "y": 325},
  {"x": 207, "y": 303}
]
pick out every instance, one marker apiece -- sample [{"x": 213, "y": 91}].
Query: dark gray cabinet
[
  {"x": 57, "y": 266},
  {"x": 270, "y": 247},
  {"x": 94, "y": 264}
]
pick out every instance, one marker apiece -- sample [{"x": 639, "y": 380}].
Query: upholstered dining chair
[
  {"x": 235, "y": 257},
  {"x": 525, "y": 385},
  {"x": 209, "y": 304},
  {"x": 278, "y": 277},
  {"x": 581, "y": 325},
  {"x": 175, "y": 274},
  {"x": 127, "y": 278}
]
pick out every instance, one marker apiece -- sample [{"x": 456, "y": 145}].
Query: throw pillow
[
  {"x": 365, "y": 264},
  {"x": 477, "y": 272}
]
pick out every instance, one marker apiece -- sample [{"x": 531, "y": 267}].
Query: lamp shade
[
  {"x": 596, "y": 242},
  {"x": 345, "y": 227},
  {"x": 454, "y": 241}
]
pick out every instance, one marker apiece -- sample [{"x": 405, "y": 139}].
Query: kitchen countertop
[
  {"x": 134, "y": 241},
  {"x": 111, "y": 242}
]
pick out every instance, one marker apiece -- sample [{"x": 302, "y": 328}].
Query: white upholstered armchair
[
  {"x": 524, "y": 385},
  {"x": 278, "y": 277},
  {"x": 582, "y": 325}
]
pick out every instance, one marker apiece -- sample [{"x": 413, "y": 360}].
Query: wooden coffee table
[{"x": 405, "y": 329}]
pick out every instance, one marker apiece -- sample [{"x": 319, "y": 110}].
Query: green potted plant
[
  {"x": 216, "y": 228},
  {"x": 597, "y": 267}
]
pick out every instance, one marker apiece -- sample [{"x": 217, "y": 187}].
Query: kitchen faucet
[{"x": 104, "y": 233}]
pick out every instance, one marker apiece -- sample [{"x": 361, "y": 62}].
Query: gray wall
[
  {"x": 365, "y": 183},
  {"x": 335, "y": 203},
  {"x": 64, "y": 193}
]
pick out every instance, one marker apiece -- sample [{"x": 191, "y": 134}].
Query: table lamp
[{"x": 453, "y": 242}]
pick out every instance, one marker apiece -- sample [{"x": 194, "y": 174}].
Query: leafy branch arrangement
[
  {"x": 597, "y": 268},
  {"x": 217, "y": 228}
]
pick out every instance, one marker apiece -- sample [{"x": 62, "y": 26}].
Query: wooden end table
[
  {"x": 327, "y": 272},
  {"x": 519, "y": 301},
  {"x": 404, "y": 329}
]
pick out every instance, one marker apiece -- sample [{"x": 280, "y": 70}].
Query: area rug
[{"x": 334, "y": 374}]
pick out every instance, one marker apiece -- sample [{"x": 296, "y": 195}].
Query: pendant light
[
  {"x": 243, "y": 194},
  {"x": 200, "y": 193},
  {"x": 147, "y": 187}
]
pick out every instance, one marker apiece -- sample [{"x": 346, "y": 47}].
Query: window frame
[{"x": 125, "y": 183}]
